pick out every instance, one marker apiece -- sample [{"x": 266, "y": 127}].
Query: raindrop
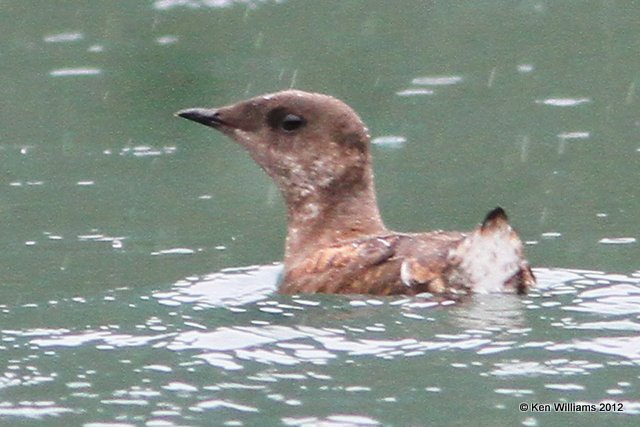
[
  {"x": 389, "y": 141},
  {"x": 525, "y": 68},
  {"x": 564, "y": 102},
  {"x": 63, "y": 37},
  {"x": 437, "y": 80},
  {"x": 414, "y": 92},
  {"x": 617, "y": 240},
  {"x": 66, "y": 72}
]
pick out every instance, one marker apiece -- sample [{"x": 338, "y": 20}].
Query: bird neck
[{"x": 324, "y": 218}]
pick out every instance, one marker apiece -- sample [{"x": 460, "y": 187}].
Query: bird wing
[
  {"x": 426, "y": 261},
  {"x": 364, "y": 266},
  {"x": 488, "y": 259}
]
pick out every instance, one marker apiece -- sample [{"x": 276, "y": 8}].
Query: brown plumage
[{"x": 316, "y": 149}]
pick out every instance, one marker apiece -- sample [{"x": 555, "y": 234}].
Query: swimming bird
[{"x": 316, "y": 149}]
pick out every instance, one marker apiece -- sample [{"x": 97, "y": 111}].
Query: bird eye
[
  {"x": 291, "y": 122},
  {"x": 283, "y": 120}
]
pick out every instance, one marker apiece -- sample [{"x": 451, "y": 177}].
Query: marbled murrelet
[{"x": 316, "y": 149}]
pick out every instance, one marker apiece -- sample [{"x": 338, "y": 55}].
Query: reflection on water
[
  {"x": 194, "y": 4},
  {"x": 225, "y": 345},
  {"x": 414, "y": 92},
  {"x": 437, "y": 80},
  {"x": 64, "y": 72},
  {"x": 63, "y": 37},
  {"x": 231, "y": 287},
  {"x": 564, "y": 102}
]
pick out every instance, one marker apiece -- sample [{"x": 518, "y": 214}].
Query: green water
[{"x": 109, "y": 203}]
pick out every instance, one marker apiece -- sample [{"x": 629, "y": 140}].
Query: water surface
[{"x": 123, "y": 296}]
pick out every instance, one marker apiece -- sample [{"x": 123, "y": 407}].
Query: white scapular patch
[{"x": 405, "y": 274}]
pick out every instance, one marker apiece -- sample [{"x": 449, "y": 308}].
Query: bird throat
[{"x": 324, "y": 216}]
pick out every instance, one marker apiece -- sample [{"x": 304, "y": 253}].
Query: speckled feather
[
  {"x": 316, "y": 149},
  {"x": 372, "y": 265}
]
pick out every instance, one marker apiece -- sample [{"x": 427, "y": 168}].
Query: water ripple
[
  {"x": 564, "y": 102},
  {"x": 194, "y": 4},
  {"x": 608, "y": 299},
  {"x": 415, "y": 92},
  {"x": 341, "y": 420},
  {"x": 231, "y": 287},
  {"x": 574, "y": 135},
  {"x": 628, "y": 347},
  {"x": 391, "y": 141},
  {"x": 227, "y": 344},
  {"x": 146, "y": 151},
  {"x": 75, "y": 72},
  {"x": 617, "y": 240},
  {"x": 33, "y": 410},
  {"x": 63, "y": 37},
  {"x": 437, "y": 80}
]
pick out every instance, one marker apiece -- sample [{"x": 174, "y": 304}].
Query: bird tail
[{"x": 491, "y": 258}]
